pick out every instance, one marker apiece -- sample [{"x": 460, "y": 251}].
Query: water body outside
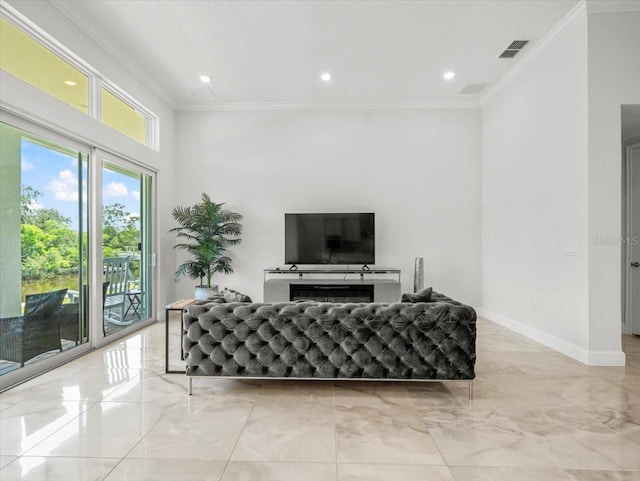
[{"x": 69, "y": 281}]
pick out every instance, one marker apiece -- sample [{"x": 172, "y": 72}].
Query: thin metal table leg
[
  {"x": 166, "y": 341},
  {"x": 181, "y": 335}
]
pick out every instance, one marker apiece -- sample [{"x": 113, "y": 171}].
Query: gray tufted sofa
[{"x": 402, "y": 341}]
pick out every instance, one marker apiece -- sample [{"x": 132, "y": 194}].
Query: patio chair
[
  {"x": 37, "y": 331},
  {"x": 70, "y": 319},
  {"x": 116, "y": 273}
]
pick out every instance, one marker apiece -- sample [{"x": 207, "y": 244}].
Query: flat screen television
[{"x": 346, "y": 238}]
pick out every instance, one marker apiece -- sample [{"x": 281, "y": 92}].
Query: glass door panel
[
  {"x": 43, "y": 248},
  {"x": 126, "y": 247}
]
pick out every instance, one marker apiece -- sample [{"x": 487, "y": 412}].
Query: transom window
[{"x": 31, "y": 55}]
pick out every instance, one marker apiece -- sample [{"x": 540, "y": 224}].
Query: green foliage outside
[
  {"x": 119, "y": 230},
  {"x": 50, "y": 247}
]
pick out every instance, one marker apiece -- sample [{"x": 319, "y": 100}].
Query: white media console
[{"x": 332, "y": 285}]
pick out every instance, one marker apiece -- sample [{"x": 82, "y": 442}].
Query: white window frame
[
  {"x": 150, "y": 120},
  {"x": 31, "y": 370},
  {"x": 97, "y": 81}
]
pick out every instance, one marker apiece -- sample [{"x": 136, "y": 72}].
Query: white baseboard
[
  {"x": 591, "y": 358},
  {"x": 606, "y": 358}
]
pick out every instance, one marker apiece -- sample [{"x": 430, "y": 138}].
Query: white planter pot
[{"x": 205, "y": 292}]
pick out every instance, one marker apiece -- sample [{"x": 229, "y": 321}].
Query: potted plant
[{"x": 208, "y": 230}]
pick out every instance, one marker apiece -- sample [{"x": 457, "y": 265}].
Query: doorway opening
[{"x": 631, "y": 230}]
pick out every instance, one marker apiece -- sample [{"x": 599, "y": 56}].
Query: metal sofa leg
[
  {"x": 190, "y": 385},
  {"x": 470, "y": 390}
]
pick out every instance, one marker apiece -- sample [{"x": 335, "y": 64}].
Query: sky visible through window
[{"x": 55, "y": 175}]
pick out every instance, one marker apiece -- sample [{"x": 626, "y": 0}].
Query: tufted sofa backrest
[{"x": 433, "y": 340}]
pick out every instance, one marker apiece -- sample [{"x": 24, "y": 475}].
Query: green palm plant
[{"x": 208, "y": 230}]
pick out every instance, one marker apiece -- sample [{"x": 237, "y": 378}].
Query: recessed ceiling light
[
  {"x": 326, "y": 77},
  {"x": 70, "y": 83},
  {"x": 205, "y": 79},
  {"x": 449, "y": 75}
]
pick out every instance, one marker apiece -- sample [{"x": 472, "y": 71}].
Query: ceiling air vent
[
  {"x": 514, "y": 48},
  {"x": 517, "y": 44},
  {"x": 473, "y": 88}
]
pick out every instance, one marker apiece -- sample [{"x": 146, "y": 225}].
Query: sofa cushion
[
  {"x": 234, "y": 296},
  {"x": 421, "y": 296}
]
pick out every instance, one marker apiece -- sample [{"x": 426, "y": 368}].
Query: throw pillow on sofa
[
  {"x": 218, "y": 296},
  {"x": 421, "y": 296},
  {"x": 234, "y": 296}
]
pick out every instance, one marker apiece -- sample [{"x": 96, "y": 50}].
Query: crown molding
[
  {"x": 283, "y": 106},
  {"x": 536, "y": 50},
  {"x": 612, "y": 6}
]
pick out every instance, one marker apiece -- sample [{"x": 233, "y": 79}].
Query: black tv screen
[{"x": 329, "y": 238}]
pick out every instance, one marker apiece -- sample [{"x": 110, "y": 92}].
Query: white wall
[
  {"x": 417, "y": 170},
  {"x": 614, "y": 79},
  {"x": 534, "y": 199},
  {"x": 22, "y": 98}
]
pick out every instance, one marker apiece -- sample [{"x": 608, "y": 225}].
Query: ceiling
[{"x": 271, "y": 53}]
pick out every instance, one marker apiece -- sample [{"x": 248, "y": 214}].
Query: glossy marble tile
[
  {"x": 479, "y": 473},
  {"x": 296, "y": 393},
  {"x": 393, "y": 472},
  {"x": 167, "y": 470},
  {"x": 37, "y": 468},
  {"x": 491, "y": 441},
  {"x": 270, "y": 471},
  {"x": 373, "y": 394},
  {"x": 91, "y": 384},
  {"x": 4, "y": 460},
  {"x": 624, "y": 380},
  {"x": 121, "y": 356},
  {"x": 518, "y": 390},
  {"x": 6, "y": 404},
  {"x": 544, "y": 421},
  {"x": 36, "y": 385},
  {"x": 490, "y": 363},
  {"x": 624, "y": 423},
  {"x": 231, "y": 390},
  {"x": 195, "y": 429},
  {"x": 149, "y": 387},
  {"x": 439, "y": 393},
  {"x": 590, "y": 451},
  {"x": 26, "y": 424},
  {"x": 459, "y": 415},
  {"x": 597, "y": 392},
  {"x": 493, "y": 392},
  {"x": 392, "y": 435},
  {"x": 107, "y": 429},
  {"x": 536, "y": 415},
  {"x": 288, "y": 433},
  {"x": 573, "y": 438},
  {"x": 586, "y": 475}
]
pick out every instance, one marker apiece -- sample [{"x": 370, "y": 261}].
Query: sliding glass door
[
  {"x": 56, "y": 255},
  {"x": 43, "y": 248},
  {"x": 126, "y": 245}
]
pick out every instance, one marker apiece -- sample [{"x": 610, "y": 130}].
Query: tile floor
[{"x": 536, "y": 416}]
